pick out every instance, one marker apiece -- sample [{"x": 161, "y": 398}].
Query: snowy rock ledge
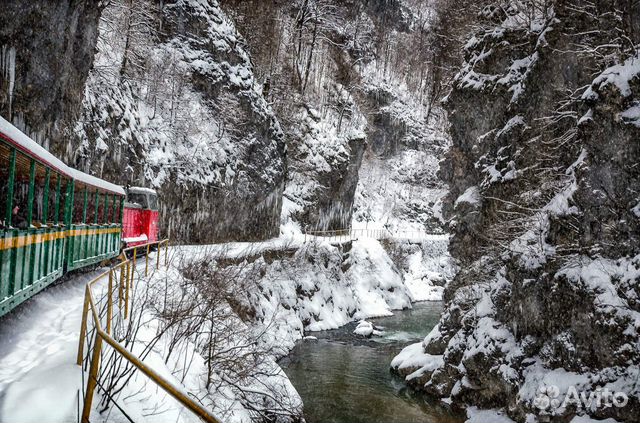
[
  {"x": 414, "y": 364},
  {"x": 288, "y": 288},
  {"x": 367, "y": 329},
  {"x": 320, "y": 286}
]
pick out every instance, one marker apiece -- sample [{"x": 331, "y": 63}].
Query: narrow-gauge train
[{"x": 54, "y": 219}]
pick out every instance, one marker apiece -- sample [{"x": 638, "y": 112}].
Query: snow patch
[
  {"x": 470, "y": 196},
  {"x": 631, "y": 116},
  {"x": 476, "y": 415},
  {"x": 619, "y": 76},
  {"x": 367, "y": 329}
]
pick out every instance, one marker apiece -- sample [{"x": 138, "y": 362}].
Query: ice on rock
[{"x": 8, "y": 64}]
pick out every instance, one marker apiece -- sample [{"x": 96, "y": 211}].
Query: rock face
[
  {"x": 336, "y": 76},
  {"x": 324, "y": 173},
  {"x": 181, "y": 115},
  {"x": 249, "y": 205},
  {"x": 170, "y": 104},
  {"x": 47, "y": 49},
  {"x": 544, "y": 212},
  {"x": 400, "y": 189}
]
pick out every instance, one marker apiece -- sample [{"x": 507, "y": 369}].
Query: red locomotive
[{"x": 140, "y": 219}]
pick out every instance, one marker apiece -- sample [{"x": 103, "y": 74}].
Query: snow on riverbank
[
  {"x": 321, "y": 286},
  {"x": 299, "y": 286}
]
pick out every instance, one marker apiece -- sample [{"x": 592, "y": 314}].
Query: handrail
[
  {"x": 125, "y": 283},
  {"x": 354, "y": 234}
]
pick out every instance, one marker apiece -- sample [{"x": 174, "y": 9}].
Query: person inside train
[
  {"x": 18, "y": 219},
  {"x": 3, "y": 201}
]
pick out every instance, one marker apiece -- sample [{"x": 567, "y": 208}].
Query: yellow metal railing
[{"x": 123, "y": 276}]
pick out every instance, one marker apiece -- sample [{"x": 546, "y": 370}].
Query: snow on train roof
[
  {"x": 142, "y": 190},
  {"x": 31, "y": 147}
]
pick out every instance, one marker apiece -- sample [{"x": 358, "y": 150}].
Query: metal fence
[
  {"x": 99, "y": 322},
  {"x": 343, "y": 235}
]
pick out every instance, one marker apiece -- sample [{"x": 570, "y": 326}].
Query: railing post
[
  {"x": 146, "y": 264},
  {"x": 166, "y": 251},
  {"x": 126, "y": 290},
  {"x": 158, "y": 256},
  {"x": 121, "y": 286},
  {"x": 83, "y": 327},
  {"x": 93, "y": 378},
  {"x": 110, "y": 302},
  {"x": 133, "y": 266}
]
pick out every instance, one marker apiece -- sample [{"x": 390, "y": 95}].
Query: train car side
[{"x": 52, "y": 218}]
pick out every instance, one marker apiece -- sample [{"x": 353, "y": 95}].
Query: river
[{"x": 345, "y": 378}]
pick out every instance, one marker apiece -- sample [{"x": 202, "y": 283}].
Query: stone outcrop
[{"x": 544, "y": 219}]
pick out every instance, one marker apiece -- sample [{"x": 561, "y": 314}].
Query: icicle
[{"x": 9, "y": 70}]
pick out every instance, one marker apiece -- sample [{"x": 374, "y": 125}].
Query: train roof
[
  {"x": 25, "y": 144},
  {"x": 142, "y": 190}
]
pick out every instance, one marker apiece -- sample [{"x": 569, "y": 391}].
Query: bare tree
[{"x": 202, "y": 309}]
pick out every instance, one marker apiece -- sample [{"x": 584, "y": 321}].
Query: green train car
[{"x": 53, "y": 218}]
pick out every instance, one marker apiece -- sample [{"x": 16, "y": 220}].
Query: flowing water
[{"x": 345, "y": 378}]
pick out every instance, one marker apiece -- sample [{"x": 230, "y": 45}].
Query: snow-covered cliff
[
  {"x": 543, "y": 213},
  {"x": 172, "y": 103}
]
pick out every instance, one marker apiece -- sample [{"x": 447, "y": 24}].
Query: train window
[
  {"x": 153, "y": 201},
  {"x": 62, "y": 204},
  {"x": 101, "y": 199},
  {"x": 20, "y": 208},
  {"x": 99, "y": 207},
  {"x": 137, "y": 199},
  {"x": 116, "y": 210},
  {"x": 113, "y": 205},
  {"x": 91, "y": 207},
  {"x": 78, "y": 205},
  {"x": 52, "y": 198},
  {"x": 108, "y": 207},
  {"x": 5, "y": 154},
  {"x": 113, "y": 200},
  {"x": 38, "y": 217}
]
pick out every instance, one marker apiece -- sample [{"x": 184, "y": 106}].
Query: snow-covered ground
[
  {"x": 322, "y": 285},
  {"x": 39, "y": 380}
]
